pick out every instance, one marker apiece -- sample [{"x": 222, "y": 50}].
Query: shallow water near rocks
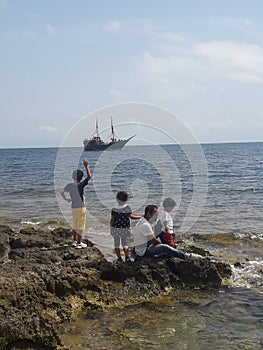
[{"x": 231, "y": 318}]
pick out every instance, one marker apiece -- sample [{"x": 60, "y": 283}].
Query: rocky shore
[{"x": 45, "y": 282}]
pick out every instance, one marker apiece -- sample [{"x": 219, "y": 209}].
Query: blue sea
[
  {"x": 227, "y": 197},
  {"x": 218, "y": 189}
]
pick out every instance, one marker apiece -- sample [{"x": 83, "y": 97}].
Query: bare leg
[
  {"x": 126, "y": 251},
  {"x": 118, "y": 253},
  {"x": 78, "y": 235},
  {"x": 75, "y": 235}
]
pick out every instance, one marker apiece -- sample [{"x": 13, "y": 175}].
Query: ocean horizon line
[{"x": 138, "y": 145}]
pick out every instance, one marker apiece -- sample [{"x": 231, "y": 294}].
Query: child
[
  {"x": 120, "y": 225},
  {"x": 167, "y": 235},
  {"x": 76, "y": 190}
]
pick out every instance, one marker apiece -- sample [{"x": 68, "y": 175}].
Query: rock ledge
[{"x": 45, "y": 283}]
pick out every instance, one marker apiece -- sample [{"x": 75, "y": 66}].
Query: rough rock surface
[{"x": 44, "y": 283}]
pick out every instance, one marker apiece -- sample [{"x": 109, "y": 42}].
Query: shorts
[
  {"x": 121, "y": 235},
  {"x": 79, "y": 218}
]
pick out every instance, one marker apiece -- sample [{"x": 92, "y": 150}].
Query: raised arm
[{"x": 86, "y": 165}]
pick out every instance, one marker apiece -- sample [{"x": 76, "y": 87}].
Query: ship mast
[
  {"x": 97, "y": 128},
  {"x": 112, "y": 130}
]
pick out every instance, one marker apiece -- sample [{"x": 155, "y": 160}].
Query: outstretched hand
[{"x": 86, "y": 165}]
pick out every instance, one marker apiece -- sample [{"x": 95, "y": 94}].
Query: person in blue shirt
[{"x": 77, "y": 200}]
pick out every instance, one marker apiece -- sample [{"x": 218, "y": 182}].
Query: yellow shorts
[{"x": 79, "y": 218}]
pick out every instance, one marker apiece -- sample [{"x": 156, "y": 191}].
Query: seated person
[{"x": 147, "y": 245}]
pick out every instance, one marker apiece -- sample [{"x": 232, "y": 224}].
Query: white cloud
[
  {"x": 47, "y": 128},
  {"x": 112, "y": 26},
  {"x": 235, "y": 61},
  {"x": 216, "y": 60},
  {"x": 164, "y": 69},
  {"x": 50, "y": 29}
]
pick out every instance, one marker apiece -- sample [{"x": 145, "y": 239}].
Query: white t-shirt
[
  {"x": 165, "y": 216},
  {"x": 143, "y": 233}
]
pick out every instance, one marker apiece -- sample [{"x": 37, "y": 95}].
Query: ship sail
[{"x": 95, "y": 143}]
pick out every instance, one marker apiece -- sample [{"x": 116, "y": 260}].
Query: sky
[{"x": 62, "y": 60}]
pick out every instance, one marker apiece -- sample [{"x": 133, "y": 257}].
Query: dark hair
[
  {"x": 77, "y": 175},
  {"x": 150, "y": 209},
  {"x": 169, "y": 203},
  {"x": 122, "y": 196}
]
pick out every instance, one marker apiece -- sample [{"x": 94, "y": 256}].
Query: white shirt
[
  {"x": 143, "y": 233},
  {"x": 166, "y": 217}
]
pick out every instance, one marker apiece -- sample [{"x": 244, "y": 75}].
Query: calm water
[
  {"x": 232, "y": 203},
  {"x": 221, "y": 195},
  {"x": 230, "y": 319}
]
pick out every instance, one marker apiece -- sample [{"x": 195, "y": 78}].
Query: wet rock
[
  {"x": 201, "y": 273},
  {"x": 199, "y": 250},
  {"x": 6, "y": 230},
  {"x": 46, "y": 282},
  {"x": 5, "y": 233}
]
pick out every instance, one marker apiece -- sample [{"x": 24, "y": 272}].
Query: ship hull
[{"x": 93, "y": 146}]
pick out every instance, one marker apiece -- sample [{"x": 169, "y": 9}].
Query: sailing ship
[{"x": 95, "y": 143}]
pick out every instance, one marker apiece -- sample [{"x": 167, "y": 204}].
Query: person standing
[
  {"x": 77, "y": 199},
  {"x": 167, "y": 234},
  {"x": 120, "y": 225}
]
